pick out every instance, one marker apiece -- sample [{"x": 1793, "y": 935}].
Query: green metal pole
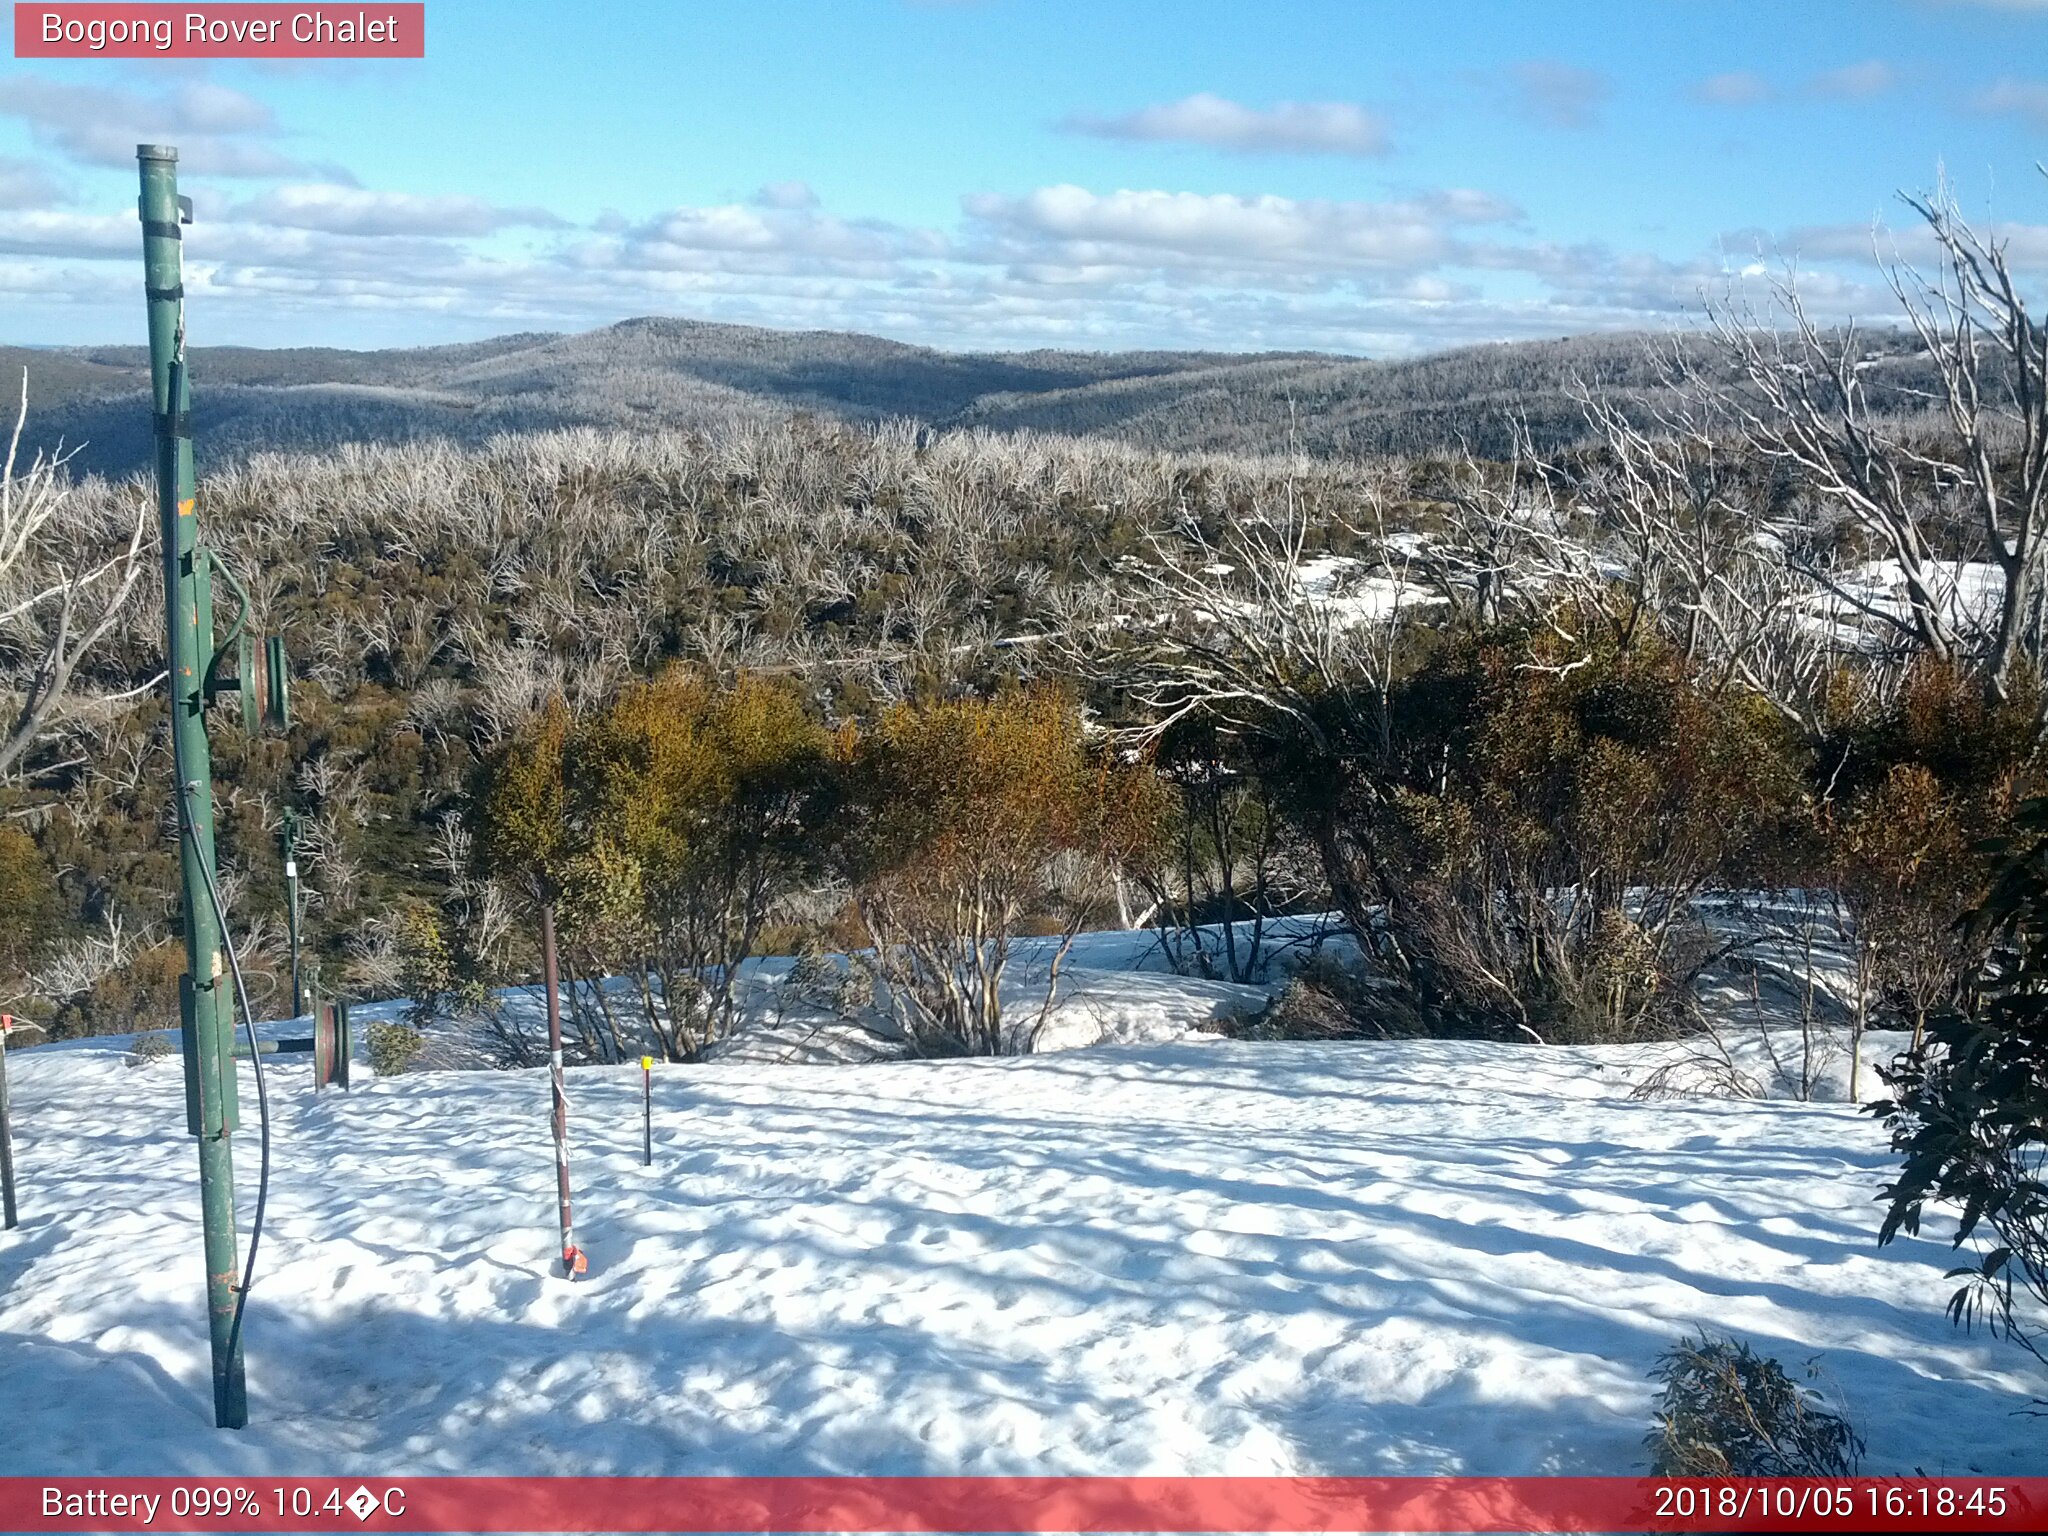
[{"x": 205, "y": 1003}]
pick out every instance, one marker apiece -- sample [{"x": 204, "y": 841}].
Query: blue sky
[{"x": 1358, "y": 177}]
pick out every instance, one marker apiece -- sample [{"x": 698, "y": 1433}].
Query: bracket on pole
[{"x": 262, "y": 677}]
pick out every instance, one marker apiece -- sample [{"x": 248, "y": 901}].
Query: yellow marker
[
  {"x": 646, "y": 1063},
  {"x": 185, "y": 506}
]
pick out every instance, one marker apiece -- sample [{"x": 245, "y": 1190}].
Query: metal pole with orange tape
[{"x": 7, "y": 1206}]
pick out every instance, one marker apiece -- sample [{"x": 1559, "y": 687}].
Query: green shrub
[
  {"x": 426, "y": 968},
  {"x": 1515, "y": 830},
  {"x": 1730, "y": 1412},
  {"x": 1967, "y": 1110},
  {"x": 393, "y": 1047},
  {"x": 28, "y": 897}
]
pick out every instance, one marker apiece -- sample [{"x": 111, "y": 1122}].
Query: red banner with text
[
  {"x": 1022, "y": 1504},
  {"x": 220, "y": 31}
]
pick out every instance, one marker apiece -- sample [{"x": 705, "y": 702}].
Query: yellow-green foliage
[
  {"x": 980, "y": 795},
  {"x": 664, "y": 827},
  {"x": 681, "y": 782},
  {"x": 522, "y": 834},
  {"x": 962, "y": 818},
  {"x": 426, "y": 964},
  {"x": 28, "y": 901},
  {"x": 393, "y": 1047}
]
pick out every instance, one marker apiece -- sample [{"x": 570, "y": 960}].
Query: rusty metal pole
[
  {"x": 7, "y": 1207},
  {"x": 291, "y": 911},
  {"x": 573, "y": 1262}
]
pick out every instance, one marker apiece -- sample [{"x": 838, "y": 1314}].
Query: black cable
[{"x": 220, "y": 917}]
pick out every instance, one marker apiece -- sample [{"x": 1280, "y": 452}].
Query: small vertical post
[
  {"x": 344, "y": 1042},
  {"x": 7, "y": 1206},
  {"x": 291, "y": 911},
  {"x": 647, "y": 1111},
  {"x": 573, "y": 1262},
  {"x": 323, "y": 1045}
]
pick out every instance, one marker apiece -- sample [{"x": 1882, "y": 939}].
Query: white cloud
[
  {"x": 1851, "y": 82},
  {"x": 1288, "y": 127},
  {"x": 1737, "y": 88},
  {"x": 24, "y": 185},
  {"x": 787, "y": 194},
  {"x": 1046, "y": 265},
  {"x": 1559, "y": 95},
  {"x": 770, "y": 237},
  {"x": 48, "y": 233},
  {"x": 218, "y": 131},
  {"x": 1224, "y": 231},
  {"x": 2025, "y": 245},
  {"x": 2021, "y": 98},
  {"x": 1855, "y": 82},
  {"x": 1056, "y": 266},
  {"x": 357, "y": 211}
]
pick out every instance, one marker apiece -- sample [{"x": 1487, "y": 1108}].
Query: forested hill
[{"x": 685, "y": 372}]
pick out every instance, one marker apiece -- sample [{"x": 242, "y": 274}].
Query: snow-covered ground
[
  {"x": 1344, "y": 588},
  {"x": 1204, "y": 1256},
  {"x": 1113, "y": 988}
]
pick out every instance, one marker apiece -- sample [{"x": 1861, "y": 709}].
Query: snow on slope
[{"x": 1204, "y": 1257}]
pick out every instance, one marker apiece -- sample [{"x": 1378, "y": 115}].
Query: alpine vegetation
[{"x": 1492, "y": 841}]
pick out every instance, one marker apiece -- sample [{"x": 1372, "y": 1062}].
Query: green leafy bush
[
  {"x": 1968, "y": 1111},
  {"x": 1730, "y": 1412},
  {"x": 1516, "y": 827},
  {"x": 393, "y": 1047},
  {"x": 29, "y": 900}
]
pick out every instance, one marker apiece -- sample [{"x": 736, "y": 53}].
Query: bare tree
[
  {"x": 1685, "y": 542},
  {"x": 60, "y": 592},
  {"x": 1806, "y": 398}
]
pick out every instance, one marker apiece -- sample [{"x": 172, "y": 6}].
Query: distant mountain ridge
[{"x": 679, "y": 372}]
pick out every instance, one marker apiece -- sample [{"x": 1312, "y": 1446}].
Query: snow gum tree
[
  {"x": 1975, "y": 487},
  {"x": 64, "y": 586}
]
